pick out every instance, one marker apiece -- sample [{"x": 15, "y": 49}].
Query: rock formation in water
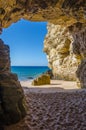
[{"x": 12, "y": 102}]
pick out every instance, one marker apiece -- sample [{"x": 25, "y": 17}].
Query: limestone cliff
[{"x": 59, "y": 49}]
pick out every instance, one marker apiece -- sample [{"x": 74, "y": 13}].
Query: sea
[{"x": 28, "y": 72}]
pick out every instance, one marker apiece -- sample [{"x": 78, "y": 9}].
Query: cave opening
[
  {"x": 26, "y": 42},
  {"x": 55, "y": 109}
]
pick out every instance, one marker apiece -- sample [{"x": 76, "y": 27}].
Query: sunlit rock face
[
  {"x": 66, "y": 51},
  {"x": 63, "y": 12},
  {"x": 58, "y": 46},
  {"x": 12, "y": 102}
]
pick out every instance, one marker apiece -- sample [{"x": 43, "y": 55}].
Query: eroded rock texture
[
  {"x": 41, "y": 80},
  {"x": 64, "y": 12},
  {"x": 12, "y": 102},
  {"x": 66, "y": 50},
  {"x": 78, "y": 32},
  {"x": 4, "y": 57},
  {"x": 65, "y": 46},
  {"x": 58, "y": 46}
]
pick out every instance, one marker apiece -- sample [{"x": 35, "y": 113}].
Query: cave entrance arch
[
  {"x": 71, "y": 15},
  {"x": 64, "y": 12},
  {"x": 57, "y": 46}
]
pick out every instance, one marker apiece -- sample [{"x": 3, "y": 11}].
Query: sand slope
[{"x": 54, "y": 110}]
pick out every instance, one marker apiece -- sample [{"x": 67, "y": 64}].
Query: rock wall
[
  {"x": 78, "y": 31},
  {"x": 58, "y": 46},
  {"x": 63, "y": 12},
  {"x": 12, "y": 102},
  {"x": 64, "y": 46},
  {"x": 4, "y": 57},
  {"x": 66, "y": 51}
]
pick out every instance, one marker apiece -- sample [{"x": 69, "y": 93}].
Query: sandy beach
[
  {"x": 59, "y": 106},
  {"x": 55, "y": 86}
]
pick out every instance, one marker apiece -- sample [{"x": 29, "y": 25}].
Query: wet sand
[{"x": 59, "y": 106}]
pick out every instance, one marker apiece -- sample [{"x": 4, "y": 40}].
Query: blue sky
[{"x": 25, "y": 39}]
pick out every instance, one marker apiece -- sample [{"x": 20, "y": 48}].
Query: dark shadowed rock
[
  {"x": 12, "y": 101},
  {"x": 30, "y": 77},
  {"x": 4, "y": 57},
  {"x": 81, "y": 74},
  {"x": 50, "y": 73},
  {"x": 78, "y": 32}
]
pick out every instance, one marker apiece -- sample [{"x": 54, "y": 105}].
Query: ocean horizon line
[
  {"x": 26, "y": 66},
  {"x": 29, "y": 72}
]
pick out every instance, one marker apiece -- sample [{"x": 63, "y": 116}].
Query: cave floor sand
[{"x": 53, "y": 107}]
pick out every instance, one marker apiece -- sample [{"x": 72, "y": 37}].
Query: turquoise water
[{"x": 28, "y": 72}]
